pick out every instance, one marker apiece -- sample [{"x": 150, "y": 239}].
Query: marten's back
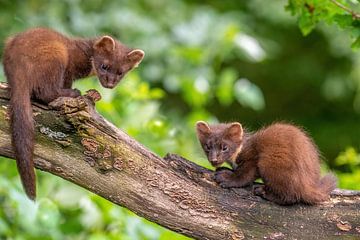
[
  {"x": 37, "y": 46},
  {"x": 289, "y": 164},
  {"x": 288, "y": 148}
]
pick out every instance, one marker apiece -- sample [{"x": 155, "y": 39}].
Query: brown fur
[
  {"x": 42, "y": 64},
  {"x": 281, "y": 154}
]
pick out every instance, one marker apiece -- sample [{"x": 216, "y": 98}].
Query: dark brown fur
[
  {"x": 281, "y": 154},
  {"x": 42, "y": 64}
]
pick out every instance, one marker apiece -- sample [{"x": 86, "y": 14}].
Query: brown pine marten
[
  {"x": 41, "y": 64},
  {"x": 282, "y": 155}
]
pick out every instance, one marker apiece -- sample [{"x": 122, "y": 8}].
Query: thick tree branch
[{"x": 82, "y": 147}]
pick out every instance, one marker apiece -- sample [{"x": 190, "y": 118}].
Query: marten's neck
[
  {"x": 80, "y": 56},
  {"x": 248, "y": 149}
]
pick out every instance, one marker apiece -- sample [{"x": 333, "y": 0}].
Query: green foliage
[
  {"x": 348, "y": 165},
  {"x": 205, "y": 60},
  {"x": 338, "y": 12},
  {"x": 349, "y": 159}
]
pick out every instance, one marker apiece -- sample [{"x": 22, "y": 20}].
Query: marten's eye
[
  {"x": 224, "y": 148},
  {"x": 119, "y": 73},
  {"x": 105, "y": 67},
  {"x": 207, "y": 147}
]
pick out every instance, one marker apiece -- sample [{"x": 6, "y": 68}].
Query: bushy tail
[
  {"x": 22, "y": 127},
  {"x": 328, "y": 183},
  {"x": 316, "y": 194}
]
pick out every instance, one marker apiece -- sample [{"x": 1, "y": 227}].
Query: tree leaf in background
[
  {"x": 48, "y": 217},
  {"x": 306, "y": 23},
  {"x": 224, "y": 90},
  {"x": 4, "y": 228},
  {"x": 249, "y": 95},
  {"x": 350, "y": 158},
  {"x": 251, "y": 46},
  {"x": 356, "y": 44},
  {"x": 342, "y": 20},
  {"x": 311, "y": 12}
]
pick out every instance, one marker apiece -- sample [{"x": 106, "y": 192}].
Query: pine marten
[
  {"x": 41, "y": 64},
  {"x": 282, "y": 155}
]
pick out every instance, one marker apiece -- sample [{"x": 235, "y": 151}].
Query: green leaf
[
  {"x": 4, "y": 227},
  {"x": 47, "y": 216},
  {"x": 348, "y": 156},
  {"x": 249, "y": 95},
  {"x": 225, "y": 88},
  {"x": 291, "y": 7},
  {"x": 306, "y": 24},
  {"x": 356, "y": 44},
  {"x": 343, "y": 21}
]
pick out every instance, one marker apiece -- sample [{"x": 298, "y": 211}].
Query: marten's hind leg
[
  {"x": 49, "y": 85},
  {"x": 266, "y": 193}
]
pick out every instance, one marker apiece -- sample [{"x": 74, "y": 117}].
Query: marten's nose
[
  {"x": 214, "y": 162},
  {"x": 111, "y": 81},
  {"x": 213, "y": 159}
]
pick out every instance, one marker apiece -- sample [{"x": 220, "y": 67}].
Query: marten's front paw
[
  {"x": 222, "y": 169},
  {"x": 75, "y": 93},
  {"x": 225, "y": 178},
  {"x": 259, "y": 190}
]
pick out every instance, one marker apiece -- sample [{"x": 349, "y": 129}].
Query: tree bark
[{"x": 77, "y": 144}]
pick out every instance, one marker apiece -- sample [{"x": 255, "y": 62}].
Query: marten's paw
[
  {"x": 225, "y": 178},
  {"x": 222, "y": 169},
  {"x": 75, "y": 93},
  {"x": 259, "y": 190}
]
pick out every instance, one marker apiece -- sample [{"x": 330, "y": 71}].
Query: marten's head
[
  {"x": 112, "y": 60},
  {"x": 220, "y": 142}
]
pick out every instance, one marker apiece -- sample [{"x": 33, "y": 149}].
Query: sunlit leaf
[
  {"x": 343, "y": 20},
  {"x": 251, "y": 46},
  {"x": 306, "y": 24},
  {"x": 356, "y": 44},
  {"x": 48, "y": 215},
  {"x": 225, "y": 86},
  {"x": 249, "y": 95},
  {"x": 348, "y": 157}
]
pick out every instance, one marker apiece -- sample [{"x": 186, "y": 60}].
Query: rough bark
[{"x": 80, "y": 146}]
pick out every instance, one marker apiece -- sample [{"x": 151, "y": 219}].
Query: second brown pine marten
[
  {"x": 282, "y": 155},
  {"x": 42, "y": 64}
]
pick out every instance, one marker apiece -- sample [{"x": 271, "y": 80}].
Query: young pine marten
[
  {"x": 282, "y": 155},
  {"x": 42, "y": 64}
]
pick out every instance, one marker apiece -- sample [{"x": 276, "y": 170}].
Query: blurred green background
[{"x": 207, "y": 60}]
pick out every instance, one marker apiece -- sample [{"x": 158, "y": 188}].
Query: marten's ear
[
  {"x": 235, "y": 132},
  {"x": 135, "y": 57},
  {"x": 202, "y": 129},
  {"x": 106, "y": 43}
]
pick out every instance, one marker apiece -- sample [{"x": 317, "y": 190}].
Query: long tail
[
  {"x": 328, "y": 183},
  {"x": 320, "y": 193},
  {"x": 23, "y": 138}
]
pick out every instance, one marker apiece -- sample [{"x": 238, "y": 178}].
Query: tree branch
[
  {"x": 80, "y": 146},
  {"x": 354, "y": 14}
]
